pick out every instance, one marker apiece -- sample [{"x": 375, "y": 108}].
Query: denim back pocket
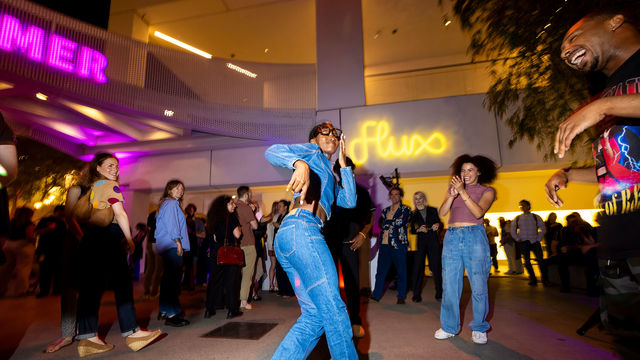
[{"x": 285, "y": 240}]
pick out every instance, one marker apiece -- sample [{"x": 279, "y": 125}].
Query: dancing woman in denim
[
  {"x": 300, "y": 246},
  {"x": 466, "y": 246}
]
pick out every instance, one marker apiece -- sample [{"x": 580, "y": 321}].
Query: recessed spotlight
[
  {"x": 168, "y": 113},
  {"x": 377, "y": 35},
  {"x": 266, "y": 51},
  {"x": 42, "y": 96}
]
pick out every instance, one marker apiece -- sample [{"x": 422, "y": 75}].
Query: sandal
[{"x": 58, "y": 344}]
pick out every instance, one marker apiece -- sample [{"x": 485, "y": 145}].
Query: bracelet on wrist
[{"x": 363, "y": 235}]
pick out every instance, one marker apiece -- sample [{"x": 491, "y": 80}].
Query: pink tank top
[{"x": 459, "y": 211}]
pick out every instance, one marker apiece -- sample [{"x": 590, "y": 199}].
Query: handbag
[
  {"x": 230, "y": 254},
  {"x": 84, "y": 212}
]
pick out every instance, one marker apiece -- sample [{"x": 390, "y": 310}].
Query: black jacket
[{"x": 417, "y": 221}]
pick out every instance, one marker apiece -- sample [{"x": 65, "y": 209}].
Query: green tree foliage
[
  {"x": 42, "y": 171},
  {"x": 532, "y": 90}
]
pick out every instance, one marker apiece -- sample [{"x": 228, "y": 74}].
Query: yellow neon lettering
[{"x": 377, "y": 132}]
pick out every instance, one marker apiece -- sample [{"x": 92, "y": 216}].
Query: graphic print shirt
[{"x": 617, "y": 150}]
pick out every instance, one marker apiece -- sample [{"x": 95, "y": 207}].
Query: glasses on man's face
[{"x": 330, "y": 131}]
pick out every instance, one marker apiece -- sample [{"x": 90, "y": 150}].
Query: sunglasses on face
[{"x": 330, "y": 131}]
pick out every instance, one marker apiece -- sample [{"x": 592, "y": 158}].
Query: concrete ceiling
[{"x": 395, "y": 31}]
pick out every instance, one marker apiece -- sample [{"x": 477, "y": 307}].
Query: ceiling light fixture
[
  {"x": 168, "y": 113},
  {"x": 42, "y": 96},
  {"x": 446, "y": 20},
  {"x": 241, "y": 70},
  {"x": 182, "y": 45}
]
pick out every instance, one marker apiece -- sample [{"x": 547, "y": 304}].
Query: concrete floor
[{"x": 527, "y": 323}]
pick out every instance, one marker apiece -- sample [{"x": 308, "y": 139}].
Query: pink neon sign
[{"x": 56, "y": 51}]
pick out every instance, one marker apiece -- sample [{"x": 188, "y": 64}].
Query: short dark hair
[
  {"x": 526, "y": 202},
  {"x": 316, "y": 129},
  {"x": 58, "y": 208},
  {"x": 397, "y": 188},
  {"x": 241, "y": 190},
  {"x": 191, "y": 205},
  {"x": 626, "y": 8},
  {"x": 487, "y": 167}
]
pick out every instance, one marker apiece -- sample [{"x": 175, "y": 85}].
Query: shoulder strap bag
[
  {"x": 230, "y": 254},
  {"x": 84, "y": 212}
]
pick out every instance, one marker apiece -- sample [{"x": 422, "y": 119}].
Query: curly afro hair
[{"x": 487, "y": 167}]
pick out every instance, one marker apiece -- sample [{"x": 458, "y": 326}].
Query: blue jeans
[
  {"x": 169, "y": 300},
  {"x": 465, "y": 248},
  {"x": 387, "y": 255},
  {"x": 305, "y": 257}
]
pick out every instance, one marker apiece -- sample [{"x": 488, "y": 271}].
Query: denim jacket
[
  {"x": 397, "y": 226},
  {"x": 286, "y": 155}
]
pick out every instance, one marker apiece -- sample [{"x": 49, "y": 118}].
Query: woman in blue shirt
[
  {"x": 172, "y": 241},
  {"x": 301, "y": 249}
]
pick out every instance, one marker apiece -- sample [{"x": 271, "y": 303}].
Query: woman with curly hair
[
  {"x": 225, "y": 279},
  {"x": 466, "y": 246}
]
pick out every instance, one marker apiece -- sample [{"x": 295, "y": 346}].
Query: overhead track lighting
[
  {"x": 182, "y": 45},
  {"x": 241, "y": 70}
]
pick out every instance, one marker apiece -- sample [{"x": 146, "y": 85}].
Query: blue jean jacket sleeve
[
  {"x": 284, "y": 155},
  {"x": 346, "y": 196}
]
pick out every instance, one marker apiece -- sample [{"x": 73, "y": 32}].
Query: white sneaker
[
  {"x": 441, "y": 334},
  {"x": 479, "y": 337},
  {"x": 245, "y": 305}
]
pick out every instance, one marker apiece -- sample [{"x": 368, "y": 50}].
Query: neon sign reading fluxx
[
  {"x": 51, "y": 49},
  {"x": 376, "y": 133}
]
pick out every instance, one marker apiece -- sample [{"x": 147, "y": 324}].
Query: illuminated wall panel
[{"x": 420, "y": 136}]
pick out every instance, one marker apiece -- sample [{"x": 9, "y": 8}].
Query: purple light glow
[
  {"x": 122, "y": 156},
  {"x": 30, "y": 42},
  {"x": 62, "y": 53},
  {"x": 92, "y": 64}
]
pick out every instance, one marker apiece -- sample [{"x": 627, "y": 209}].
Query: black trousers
[
  {"x": 224, "y": 284},
  {"x": 103, "y": 260},
  {"x": 188, "y": 259},
  {"x": 350, "y": 262},
  {"x": 526, "y": 248},
  {"x": 428, "y": 246},
  {"x": 50, "y": 269},
  {"x": 493, "y": 249}
]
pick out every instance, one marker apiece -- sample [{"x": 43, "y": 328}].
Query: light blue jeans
[
  {"x": 305, "y": 257},
  {"x": 465, "y": 248}
]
